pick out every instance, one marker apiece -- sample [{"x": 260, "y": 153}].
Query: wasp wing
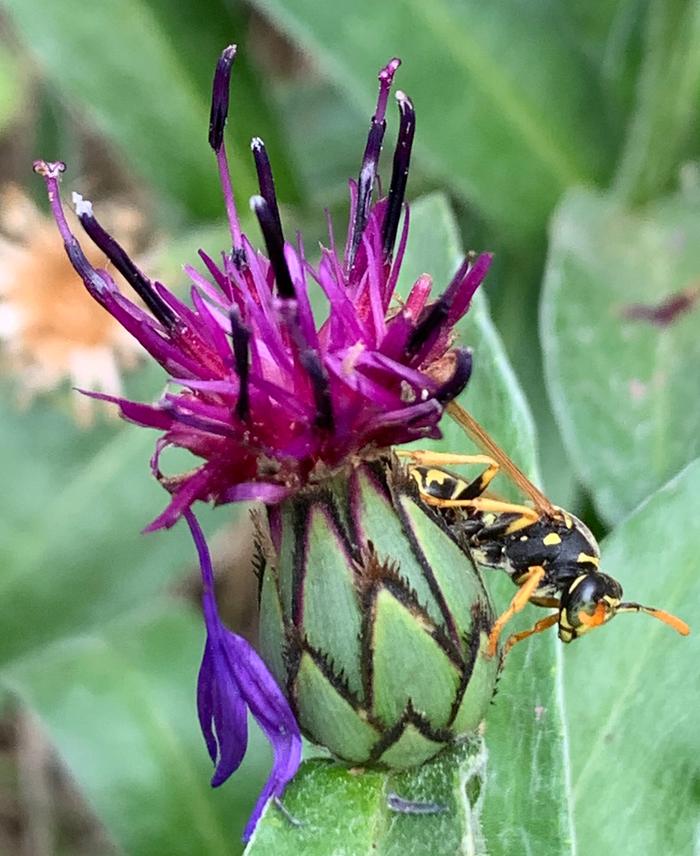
[{"x": 466, "y": 421}]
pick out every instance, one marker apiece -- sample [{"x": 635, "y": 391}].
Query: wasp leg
[
  {"x": 545, "y": 601},
  {"x": 427, "y": 458},
  {"x": 440, "y": 459},
  {"x": 542, "y": 624},
  {"x": 528, "y": 587},
  {"x": 526, "y": 516}
]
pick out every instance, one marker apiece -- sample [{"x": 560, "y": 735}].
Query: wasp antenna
[{"x": 673, "y": 621}]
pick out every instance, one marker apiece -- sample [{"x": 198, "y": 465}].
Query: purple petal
[
  {"x": 386, "y": 365},
  {"x": 206, "y": 287},
  {"x": 426, "y": 410},
  {"x": 396, "y": 266},
  {"x": 234, "y": 677},
  {"x": 468, "y": 286},
  {"x": 219, "y": 387},
  {"x": 146, "y": 331},
  {"x": 297, "y": 271},
  {"x": 146, "y": 415},
  {"x": 375, "y": 292},
  {"x": 227, "y": 711},
  {"x": 216, "y": 272},
  {"x": 205, "y": 702},
  {"x": 267, "y": 492},
  {"x": 215, "y": 323},
  {"x": 271, "y": 711},
  {"x": 190, "y": 489},
  {"x": 363, "y": 385}
]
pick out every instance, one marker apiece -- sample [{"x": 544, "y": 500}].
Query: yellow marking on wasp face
[
  {"x": 577, "y": 582},
  {"x": 613, "y": 602},
  {"x": 564, "y": 620},
  {"x": 583, "y": 558},
  {"x": 523, "y": 537},
  {"x": 565, "y": 635},
  {"x": 551, "y": 539}
]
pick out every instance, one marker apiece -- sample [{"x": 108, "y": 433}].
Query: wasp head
[{"x": 593, "y": 598}]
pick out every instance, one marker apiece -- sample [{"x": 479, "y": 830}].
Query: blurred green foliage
[{"x": 529, "y": 114}]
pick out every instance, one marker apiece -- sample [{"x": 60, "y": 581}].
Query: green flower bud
[{"x": 374, "y": 620}]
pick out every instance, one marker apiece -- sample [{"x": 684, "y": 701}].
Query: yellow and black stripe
[{"x": 441, "y": 484}]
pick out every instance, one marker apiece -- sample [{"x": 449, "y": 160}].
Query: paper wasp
[{"x": 549, "y": 554}]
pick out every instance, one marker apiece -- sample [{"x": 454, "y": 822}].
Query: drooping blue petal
[
  {"x": 233, "y": 679},
  {"x": 223, "y": 715},
  {"x": 271, "y": 711},
  {"x": 205, "y": 703}
]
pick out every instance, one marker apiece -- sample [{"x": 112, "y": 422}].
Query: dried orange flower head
[{"x": 51, "y": 330}]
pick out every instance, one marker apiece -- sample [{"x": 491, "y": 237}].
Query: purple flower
[{"x": 269, "y": 399}]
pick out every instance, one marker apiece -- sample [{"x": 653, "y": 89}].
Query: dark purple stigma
[
  {"x": 274, "y": 242},
  {"x": 219, "y": 97},
  {"x": 240, "y": 336},
  {"x": 399, "y": 174},
  {"x": 463, "y": 369},
  {"x": 321, "y": 387},
  {"x": 312, "y": 363},
  {"x": 265, "y": 180},
  {"x": 436, "y": 315},
  {"x": 93, "y": 281},
  {"x": 430, "y": 325},
  {"x": 370, "y": 159},
  {"x": 51, "y": 172},
  {"x": 141, "y": 284}
]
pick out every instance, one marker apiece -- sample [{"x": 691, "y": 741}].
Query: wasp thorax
[{"x": 374, "y": 620}]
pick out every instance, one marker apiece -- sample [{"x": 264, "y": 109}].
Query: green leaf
[
  {"x": 624, "y": 391},
  {"x": 136, "y": 76},
  {"x": 199, "y": 32},
  {"x": 525, "y": 728},
  {"x": 119, "y": 707},
  {"x": 11, "y": 89},
  {"x": 335, "y": 810},
  {"x": 610, "y": 34},
  {"x": 508, "y": 127},
  {"x": 668, "y": 94},
  {"x": 633, "y": 689},
  {"x": 493, "y": 394},
  {"x": 320, "y": 138},
  {"x": 71, "y": 552}
]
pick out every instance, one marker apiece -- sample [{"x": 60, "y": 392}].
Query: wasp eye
[{"x": 591, "y": 600}]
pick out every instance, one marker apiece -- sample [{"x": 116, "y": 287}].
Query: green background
[{"x": 564, "y": 138}]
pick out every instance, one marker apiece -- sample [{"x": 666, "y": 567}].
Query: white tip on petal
[
  {"x": 82, "y": 206},
  {"x": 256, "y": 203}
]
